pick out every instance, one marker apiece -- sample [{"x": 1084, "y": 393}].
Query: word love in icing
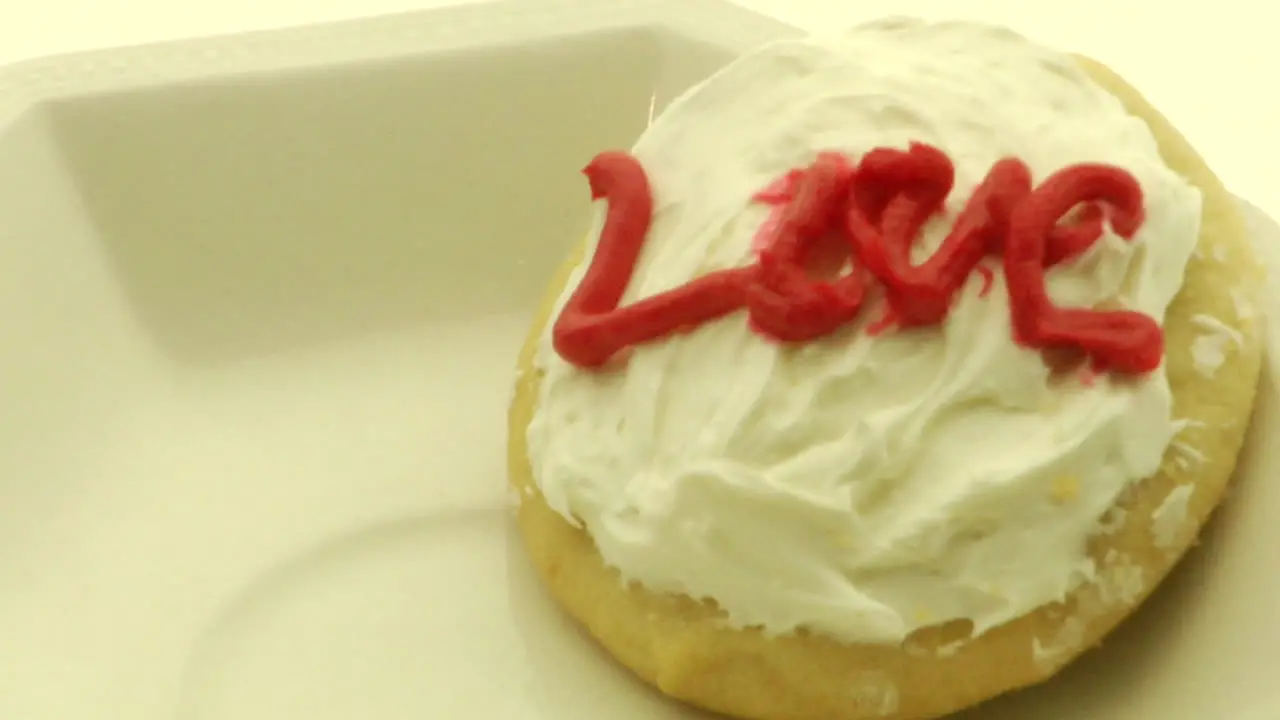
[{"x": 878, "y": 207}]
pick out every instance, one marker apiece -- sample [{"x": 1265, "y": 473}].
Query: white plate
[{"x": 260, "y": 300}]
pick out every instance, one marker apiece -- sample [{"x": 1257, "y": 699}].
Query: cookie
[{"x": 850, "y": 542}]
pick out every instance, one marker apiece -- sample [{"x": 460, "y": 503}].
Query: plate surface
[{"x": 262, "y": 298}]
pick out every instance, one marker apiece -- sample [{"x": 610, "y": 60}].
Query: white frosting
[
  {"x": 1209, "y": 351},
  {"x": 1169, "y": 520},
  {"x": 864, "y": 487}
]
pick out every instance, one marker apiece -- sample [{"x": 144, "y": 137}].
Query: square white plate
[{"x": 260, "y": 299}]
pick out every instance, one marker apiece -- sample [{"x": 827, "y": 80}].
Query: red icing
[
  {"x": 783, "y": 302},
  {"x": 878, "y": 207},
  {"x": 1114, "y": 340},
  {"x": 592, "y": 327}
]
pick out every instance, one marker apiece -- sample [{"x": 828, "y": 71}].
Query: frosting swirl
[{"x": 862, "y": 485}]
